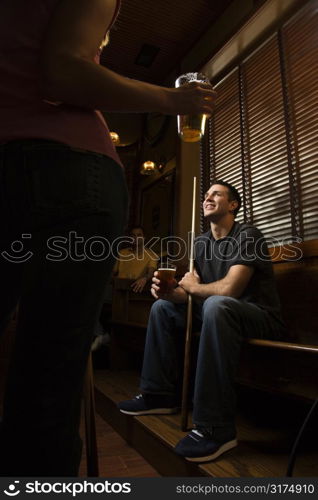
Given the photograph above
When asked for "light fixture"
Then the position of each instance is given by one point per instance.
(162, 164)
(148, 167)
(115, 138)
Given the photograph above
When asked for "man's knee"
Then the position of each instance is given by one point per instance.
(218, 304)
(161, 307)
(164, 310)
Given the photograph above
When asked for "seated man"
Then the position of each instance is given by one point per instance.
(234, 297)
(136, 262)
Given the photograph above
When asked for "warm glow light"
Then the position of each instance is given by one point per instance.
(114, 137)
(148, 167)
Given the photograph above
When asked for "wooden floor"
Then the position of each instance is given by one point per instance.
(265, 434)
(116, 458)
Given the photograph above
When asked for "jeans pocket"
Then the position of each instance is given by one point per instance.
(65, 183)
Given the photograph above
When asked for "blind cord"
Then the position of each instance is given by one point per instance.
(292, 456)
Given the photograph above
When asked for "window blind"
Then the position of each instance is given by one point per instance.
(300, 36)
(227, 159)
(265, 126)
(267, 141)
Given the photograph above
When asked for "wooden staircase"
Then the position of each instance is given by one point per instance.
(266, 432)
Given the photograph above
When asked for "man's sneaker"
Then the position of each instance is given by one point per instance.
(149, 404)
(202, 446)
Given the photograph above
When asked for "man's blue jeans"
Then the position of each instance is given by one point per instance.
(60, 211)
(223, 322)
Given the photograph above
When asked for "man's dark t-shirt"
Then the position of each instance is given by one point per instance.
(245, 244)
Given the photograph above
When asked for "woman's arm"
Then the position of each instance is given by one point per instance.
(70, 74)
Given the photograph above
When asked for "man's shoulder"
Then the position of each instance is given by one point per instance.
(247, 229)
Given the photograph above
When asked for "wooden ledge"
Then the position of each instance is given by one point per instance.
(294, 252)
(283, 345)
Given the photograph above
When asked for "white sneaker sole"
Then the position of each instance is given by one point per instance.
(154, 411)
(225, 447)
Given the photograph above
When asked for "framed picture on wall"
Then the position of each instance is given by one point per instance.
(157, 209)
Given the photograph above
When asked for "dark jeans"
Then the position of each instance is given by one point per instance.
(223, 322)
(60, 210)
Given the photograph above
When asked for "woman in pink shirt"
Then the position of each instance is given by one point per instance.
(63, 201)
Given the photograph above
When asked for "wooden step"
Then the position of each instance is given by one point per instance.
(265, 440)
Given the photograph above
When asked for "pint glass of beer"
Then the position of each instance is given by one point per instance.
(166, 273)
(191, 127)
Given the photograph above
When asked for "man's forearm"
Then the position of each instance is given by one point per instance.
(232, 285)
(221, 287)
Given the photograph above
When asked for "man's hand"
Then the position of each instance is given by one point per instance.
(189, 282)
(139, 285)
(155, 289)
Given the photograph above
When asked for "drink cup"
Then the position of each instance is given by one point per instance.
(166, 274)
(191, 127)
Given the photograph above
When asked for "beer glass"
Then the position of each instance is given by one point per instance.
(191, 127)
(166, 273)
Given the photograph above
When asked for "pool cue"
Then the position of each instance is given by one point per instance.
(187, 353)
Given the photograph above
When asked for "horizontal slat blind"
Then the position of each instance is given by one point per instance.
(267, 141)
(227, 134)
(301, 45)
(270, 106)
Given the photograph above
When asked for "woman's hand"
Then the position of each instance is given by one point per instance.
(194, 98)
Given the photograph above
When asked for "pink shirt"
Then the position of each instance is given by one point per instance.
(23, 113)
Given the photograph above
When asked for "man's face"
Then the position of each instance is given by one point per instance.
(216, 202)
(138, 237)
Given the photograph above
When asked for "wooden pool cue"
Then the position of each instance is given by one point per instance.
(187, 353)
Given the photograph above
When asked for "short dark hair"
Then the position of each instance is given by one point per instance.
(233, 193)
